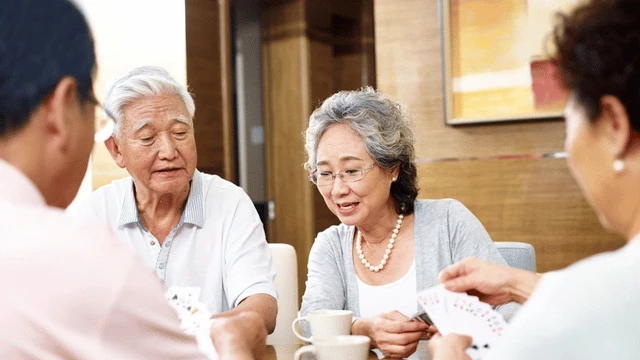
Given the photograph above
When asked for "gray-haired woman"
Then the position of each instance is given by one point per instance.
(389, 245)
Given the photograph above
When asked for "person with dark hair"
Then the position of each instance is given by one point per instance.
(389, 245)
(590, 309)
(63, 298)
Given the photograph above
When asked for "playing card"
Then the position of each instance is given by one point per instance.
(433, 301)
(463, 314)
(422, 316)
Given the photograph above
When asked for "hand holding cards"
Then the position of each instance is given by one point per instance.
(195, 318)
(463, 314)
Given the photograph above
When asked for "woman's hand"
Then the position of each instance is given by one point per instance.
(492, 283)
(450, 347)
(394, 334)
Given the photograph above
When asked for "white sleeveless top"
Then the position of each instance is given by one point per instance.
(399, 295)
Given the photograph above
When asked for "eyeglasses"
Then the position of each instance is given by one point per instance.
(104, 123)
(323, 178)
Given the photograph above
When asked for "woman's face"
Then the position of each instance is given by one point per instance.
(362, 203)
(589, 160)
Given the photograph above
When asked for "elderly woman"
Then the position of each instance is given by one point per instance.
(200, 234)
(589, 310)
(389, 245)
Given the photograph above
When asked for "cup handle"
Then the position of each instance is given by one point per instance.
(295, 332)
(304, 349)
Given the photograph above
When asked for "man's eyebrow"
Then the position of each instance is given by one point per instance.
(183, 120)
(138, 126)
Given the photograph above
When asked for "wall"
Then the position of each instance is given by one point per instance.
(518, 198)
(310, 49)
(127, 34)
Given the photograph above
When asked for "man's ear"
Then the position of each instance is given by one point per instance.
(112, 145)
(60, 106)
(616, 125)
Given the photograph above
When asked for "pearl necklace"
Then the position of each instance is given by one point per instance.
(387, 251)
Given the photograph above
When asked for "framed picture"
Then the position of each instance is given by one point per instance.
(496, 65)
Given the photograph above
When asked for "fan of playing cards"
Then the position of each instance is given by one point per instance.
(463, 314)
(195, 318)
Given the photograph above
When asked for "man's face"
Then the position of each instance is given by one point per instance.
(156, 144)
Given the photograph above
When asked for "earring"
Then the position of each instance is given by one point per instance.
(618, 166)
(393, 179)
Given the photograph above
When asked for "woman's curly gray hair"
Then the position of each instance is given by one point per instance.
(385, 129)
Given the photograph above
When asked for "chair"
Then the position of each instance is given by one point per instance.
(286, 263)
(518, 254)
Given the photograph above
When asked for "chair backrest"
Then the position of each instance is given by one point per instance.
(518, 254)
(286, 263)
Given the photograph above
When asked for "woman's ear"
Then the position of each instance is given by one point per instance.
(616, 125)
(395, 173)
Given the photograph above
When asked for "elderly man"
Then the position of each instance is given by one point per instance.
(63, 296)
(197, 231)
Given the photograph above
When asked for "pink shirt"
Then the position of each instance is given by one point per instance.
(70, 290)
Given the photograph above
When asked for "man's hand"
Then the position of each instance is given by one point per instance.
(492, 283)
(241, 336)
(450, 347)
(265, 305)
(394, 334)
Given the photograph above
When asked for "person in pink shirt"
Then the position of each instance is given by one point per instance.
(65, 297)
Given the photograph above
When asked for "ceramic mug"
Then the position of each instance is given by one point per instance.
(344, 347)
(325, 324)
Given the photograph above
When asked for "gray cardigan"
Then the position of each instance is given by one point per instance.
(445, 231)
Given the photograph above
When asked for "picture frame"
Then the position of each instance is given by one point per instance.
(495, 61)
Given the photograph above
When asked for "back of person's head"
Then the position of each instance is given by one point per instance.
(385, 129)
(41, 41)
(143, 82)
(598, 51)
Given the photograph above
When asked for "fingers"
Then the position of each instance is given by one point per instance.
(396, 322)
(451, 346)
(462, 284)
(458, 340)
(399, 345)
(396, 335)
(461, 268)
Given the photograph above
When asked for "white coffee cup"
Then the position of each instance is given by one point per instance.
(344, 347)
(325, 324)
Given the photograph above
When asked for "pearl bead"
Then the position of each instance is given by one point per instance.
(387, 252)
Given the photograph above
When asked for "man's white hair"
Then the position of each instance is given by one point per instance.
(142, 82)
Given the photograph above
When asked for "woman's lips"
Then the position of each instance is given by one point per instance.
(346, 209)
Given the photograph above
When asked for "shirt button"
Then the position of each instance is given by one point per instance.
(161, 266)
(168, 243)
(152, 242)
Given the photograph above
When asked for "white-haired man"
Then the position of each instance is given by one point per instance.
(195, 230)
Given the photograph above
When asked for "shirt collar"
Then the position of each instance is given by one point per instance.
(17, 187)
(193, 211)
